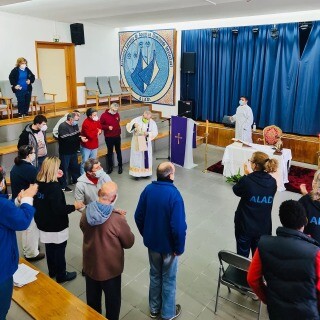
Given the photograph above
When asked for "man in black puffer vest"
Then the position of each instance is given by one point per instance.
(290, 265)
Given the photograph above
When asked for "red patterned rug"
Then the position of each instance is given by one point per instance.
(297, 176)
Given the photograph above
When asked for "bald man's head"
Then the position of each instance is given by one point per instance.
(108, 192)
(165, 170)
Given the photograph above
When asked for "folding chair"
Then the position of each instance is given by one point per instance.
(235, 277)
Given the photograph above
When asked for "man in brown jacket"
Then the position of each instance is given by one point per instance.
(105, 234)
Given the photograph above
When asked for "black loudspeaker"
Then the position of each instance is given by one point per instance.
(185, 108)
(77, 33)
(188, 62)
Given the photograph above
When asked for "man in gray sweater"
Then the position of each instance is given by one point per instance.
(90, 182)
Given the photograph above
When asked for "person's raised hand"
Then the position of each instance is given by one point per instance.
(245, 169)
(79, 205)
(303, 189)
(110, 128)
(30, 192)
(60, 173)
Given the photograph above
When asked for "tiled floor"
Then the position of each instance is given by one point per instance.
(210, 205)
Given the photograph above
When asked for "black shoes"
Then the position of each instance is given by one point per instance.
(110, 169)
(40, 256)
(67, 277)
(155, 315)
(120, 170)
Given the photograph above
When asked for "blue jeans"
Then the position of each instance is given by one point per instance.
(86, 154)
(69, 164)
(6, 289)
(24, 98)
(162, 291)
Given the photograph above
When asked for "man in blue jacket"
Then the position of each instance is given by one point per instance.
(161, 220)
(12, 219)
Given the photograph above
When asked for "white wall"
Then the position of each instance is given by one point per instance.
(230, 22)
(99, 56)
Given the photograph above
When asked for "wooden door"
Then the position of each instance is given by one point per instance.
(56, 69)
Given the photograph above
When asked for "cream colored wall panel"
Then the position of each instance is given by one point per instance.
(52, 72)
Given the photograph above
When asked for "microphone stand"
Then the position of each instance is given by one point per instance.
(169, 143)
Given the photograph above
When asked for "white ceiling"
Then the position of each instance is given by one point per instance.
(125, 13)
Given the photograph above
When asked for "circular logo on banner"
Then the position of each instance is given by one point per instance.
(147, 65)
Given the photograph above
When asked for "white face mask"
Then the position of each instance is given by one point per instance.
(23, 66)
(44, 127)
(99, 173)
(32, 157)
(95, 118)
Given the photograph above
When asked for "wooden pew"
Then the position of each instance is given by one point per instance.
(46, 299)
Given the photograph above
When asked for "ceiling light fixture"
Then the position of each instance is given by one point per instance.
(274, 32)
(305, 25)
(212, 2)
(255, 30)
(215, 33)
(235, 31)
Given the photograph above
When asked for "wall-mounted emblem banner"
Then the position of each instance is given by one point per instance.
(147, 61)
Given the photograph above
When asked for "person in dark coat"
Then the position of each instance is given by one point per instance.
(52, 218)
(21, 79)
(311, 203)
(253, 215)
(22, 174)
(285, 269)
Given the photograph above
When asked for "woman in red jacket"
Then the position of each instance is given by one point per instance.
(91, 129)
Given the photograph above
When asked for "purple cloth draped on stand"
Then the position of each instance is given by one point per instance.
(146, 155)
(178, 139)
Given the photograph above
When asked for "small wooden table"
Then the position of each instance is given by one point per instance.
(46, 299)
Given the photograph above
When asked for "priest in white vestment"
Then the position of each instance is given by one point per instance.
(144, 130)
(244, 121)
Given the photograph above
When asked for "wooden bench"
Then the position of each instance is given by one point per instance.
(46, 299)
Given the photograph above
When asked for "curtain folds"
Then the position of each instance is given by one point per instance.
(283, 88)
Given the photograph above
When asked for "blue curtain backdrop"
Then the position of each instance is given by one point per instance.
(283, 88)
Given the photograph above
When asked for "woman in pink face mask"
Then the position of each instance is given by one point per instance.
(21, 79)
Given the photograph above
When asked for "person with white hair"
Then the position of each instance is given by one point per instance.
(144, 130)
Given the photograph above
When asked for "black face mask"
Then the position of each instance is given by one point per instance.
(166, 179)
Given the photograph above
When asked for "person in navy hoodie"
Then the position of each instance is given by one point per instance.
(253, 215)
(161, 220)
(311, 203)
(21, 79)
(22, 174)
(12, 219)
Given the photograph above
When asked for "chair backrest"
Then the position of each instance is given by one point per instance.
(6, 91)
(271, 135)
(115, 84)
(37, 89)
(91, 84)
(234, 260)
(103, 84)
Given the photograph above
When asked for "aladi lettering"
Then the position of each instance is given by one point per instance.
(262, 199)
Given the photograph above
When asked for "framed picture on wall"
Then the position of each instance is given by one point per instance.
(147, 64)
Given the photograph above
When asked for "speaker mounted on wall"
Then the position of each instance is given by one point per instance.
(188, 62)
(77, 33)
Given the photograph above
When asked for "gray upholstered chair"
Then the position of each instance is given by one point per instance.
(92, 91)
(104, 88)
(117, 89)
(8, 95)
(39, 97)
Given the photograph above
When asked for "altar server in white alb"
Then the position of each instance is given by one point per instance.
(244, 120)
(144, 130)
